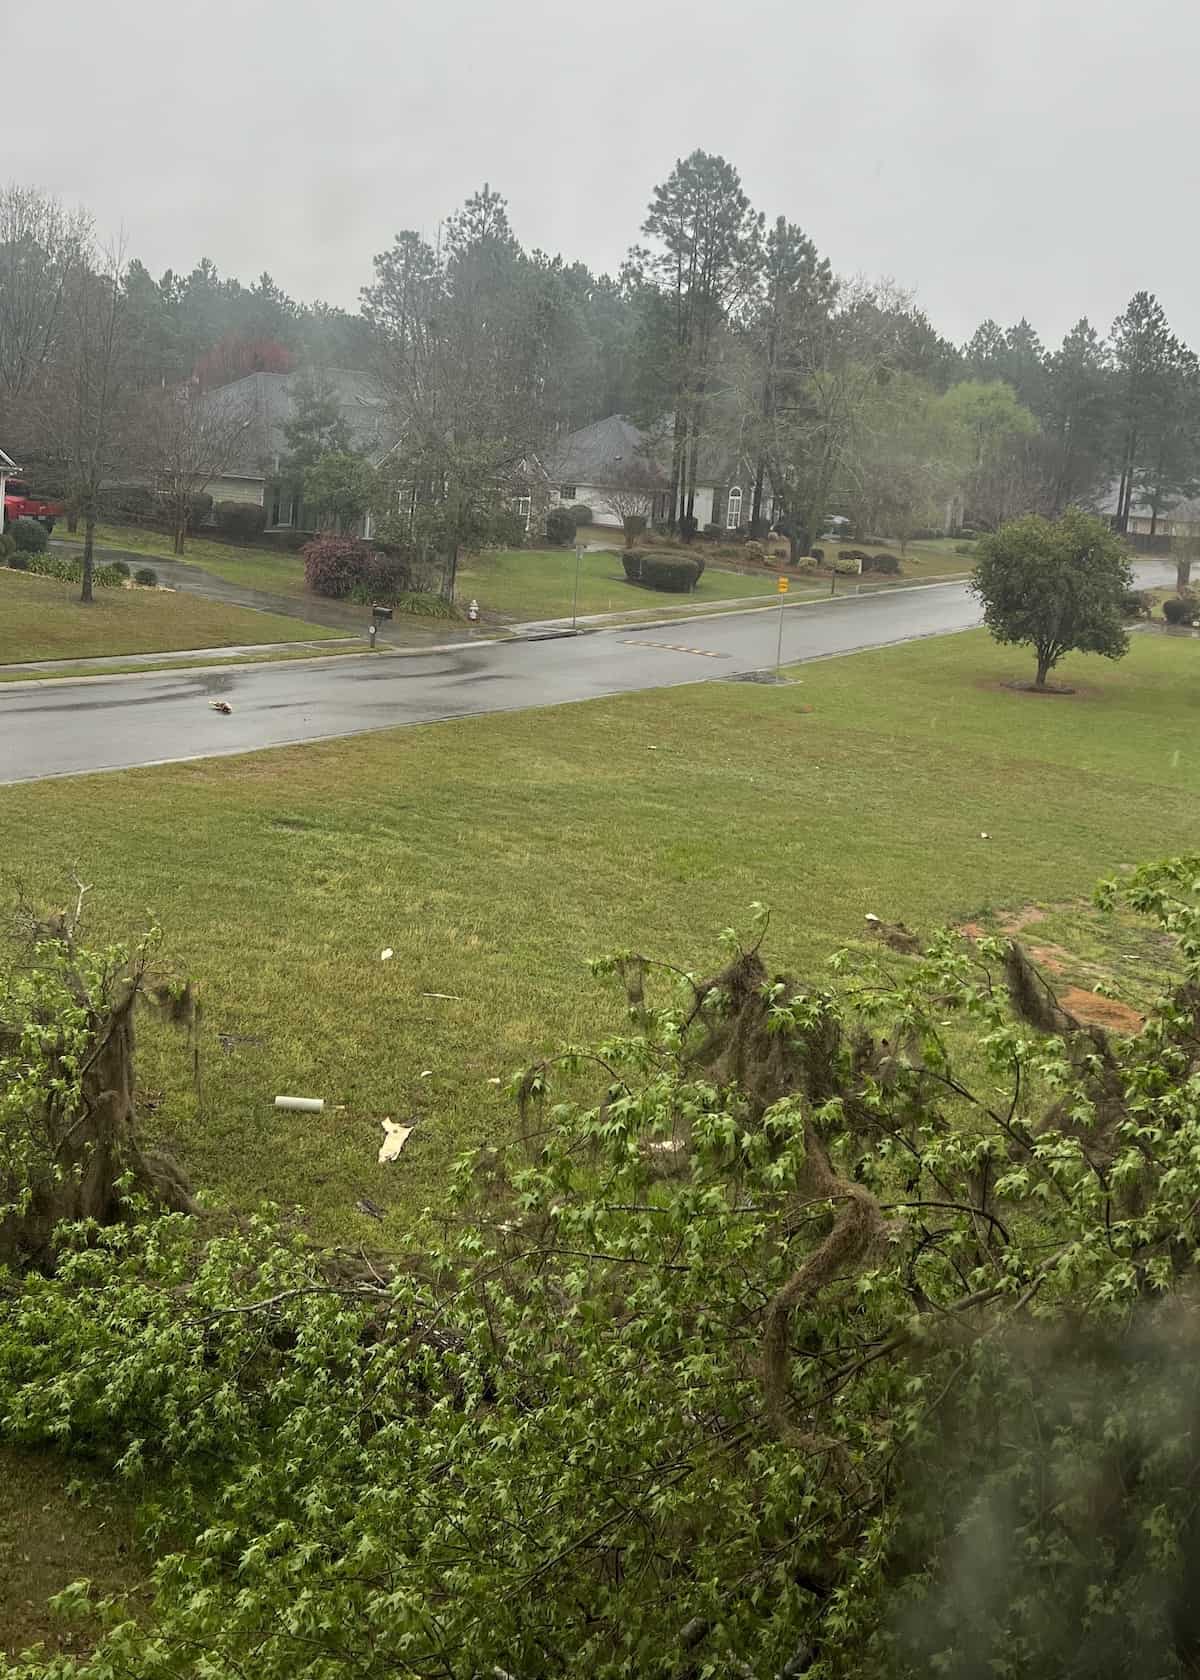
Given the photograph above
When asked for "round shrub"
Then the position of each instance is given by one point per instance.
(1180, 609)
(29, 536)
(674, 576)
(240, 520)
(146, 576)
(888, 564)
(560, 526)
(119, 567)
(200, 508)
(634, 524)
(632, 559)
(713, 532)
(111, 576)
(581, 514)
(334, 566)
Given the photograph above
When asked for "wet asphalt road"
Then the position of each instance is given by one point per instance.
(66, 727)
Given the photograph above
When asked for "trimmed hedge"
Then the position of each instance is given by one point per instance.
(146, 576)
(129, 504)
(240, 519)
(1181, 609)
(888, 564)
(656, 571)
(581, 514)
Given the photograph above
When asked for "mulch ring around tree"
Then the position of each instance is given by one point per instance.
(1013, 685)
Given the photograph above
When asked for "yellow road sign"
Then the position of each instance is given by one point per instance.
(782, 586)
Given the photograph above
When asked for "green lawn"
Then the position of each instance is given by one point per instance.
(42, 618)
(537, 583)
(494, 855)
(49, 1538)
(258, 568)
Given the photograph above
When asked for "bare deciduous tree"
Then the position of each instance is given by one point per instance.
(42, 247)
(79, 407)
(630, 497)
(185, 440)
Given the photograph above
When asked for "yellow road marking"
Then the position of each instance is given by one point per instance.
(676, 647)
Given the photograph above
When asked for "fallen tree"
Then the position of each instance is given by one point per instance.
(780, 1303)
(69, 1148)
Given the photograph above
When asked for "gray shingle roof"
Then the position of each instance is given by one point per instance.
(600, 453)
(271, 399)
(1186, 510)
(603, 452)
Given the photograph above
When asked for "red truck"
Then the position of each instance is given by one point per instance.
(19, 504)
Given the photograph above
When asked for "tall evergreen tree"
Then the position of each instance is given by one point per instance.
(1078, 414)
(1144, 352)
(704, 256)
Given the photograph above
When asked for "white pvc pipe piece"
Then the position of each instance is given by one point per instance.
(302, 1105)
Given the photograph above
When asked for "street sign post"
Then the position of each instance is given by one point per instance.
(782, 587)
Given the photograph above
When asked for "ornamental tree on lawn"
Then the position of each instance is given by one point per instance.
(1056, 586)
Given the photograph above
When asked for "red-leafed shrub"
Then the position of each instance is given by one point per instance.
(335, 565)
(348, 568)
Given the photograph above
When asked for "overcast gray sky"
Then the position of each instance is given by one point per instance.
(1036, 157)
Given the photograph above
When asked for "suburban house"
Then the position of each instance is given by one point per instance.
(270, 399)
(1181, 519)
(597, 465)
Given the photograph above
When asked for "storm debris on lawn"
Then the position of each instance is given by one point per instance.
(894, 934)
(221, 706)
(394, 1139)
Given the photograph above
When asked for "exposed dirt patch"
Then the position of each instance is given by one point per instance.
(1016, 921)
(1051, 957)
(994, 685)
(1101, 1011)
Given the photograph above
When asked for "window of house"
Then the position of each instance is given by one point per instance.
(521, 506)
(734, 517)
(567, 492)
